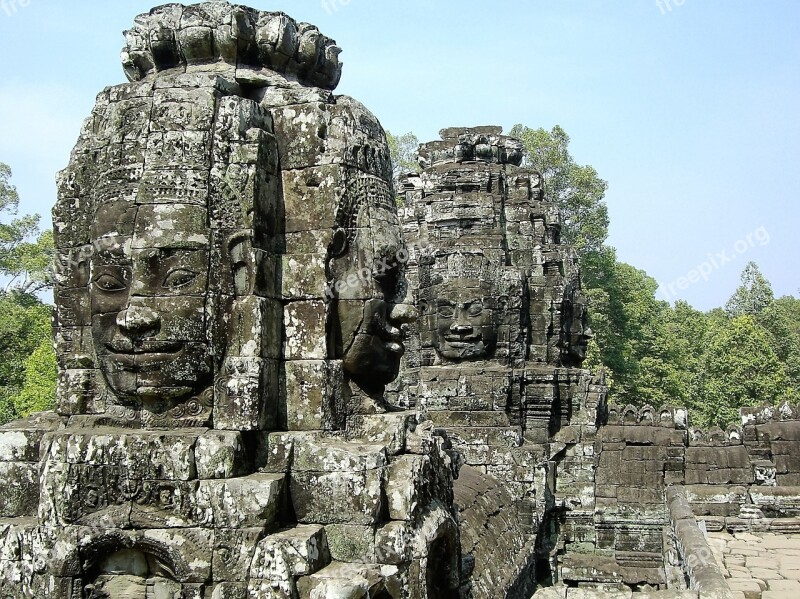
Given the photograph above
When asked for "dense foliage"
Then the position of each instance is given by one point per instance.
(27, 360)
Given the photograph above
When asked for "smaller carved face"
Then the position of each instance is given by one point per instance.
(165, 497)
(367, 271)
(465, 320)
(577, 333)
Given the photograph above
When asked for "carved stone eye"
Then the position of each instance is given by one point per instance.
(107, 282)
(180, 277)
(475, 309)
(446, 311)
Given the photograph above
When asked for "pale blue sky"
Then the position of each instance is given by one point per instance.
(689, 112)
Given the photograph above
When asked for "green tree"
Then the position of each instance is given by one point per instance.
(403, 152)
(38, 391)
(630, 325)
(781, 320)
(25, 253)
(753, 295)
(576, 189)
(27, 376)
(24, 329)
(740, 369)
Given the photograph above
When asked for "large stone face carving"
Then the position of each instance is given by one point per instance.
(160, 242)
(228, 308)
(464, 308)
(364, 285)
(149, 301)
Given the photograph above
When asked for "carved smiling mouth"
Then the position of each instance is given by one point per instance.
(147, 347)
(456, 341)
(131, 356)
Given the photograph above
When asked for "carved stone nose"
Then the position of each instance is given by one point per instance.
(461, 328)
(137, 320)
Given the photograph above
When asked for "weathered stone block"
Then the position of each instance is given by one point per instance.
(283, 556)
(351, 543)
(233, 553)
(149, 455)
(21, 441)
(394, 543)
(407, 485)
(230, 590)
(19, 494)
(388, 430)
(313, 399)
(302, 133)
(338, 497)
(241, 502)
(304, 323)
(244, 398)
(220, 454)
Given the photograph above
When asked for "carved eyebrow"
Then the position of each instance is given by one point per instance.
(112, 244)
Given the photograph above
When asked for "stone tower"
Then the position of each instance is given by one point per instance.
(494, 358)
(223, 342)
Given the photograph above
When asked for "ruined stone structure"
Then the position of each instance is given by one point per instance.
(494, 358)
(221, 429)
(275, 384)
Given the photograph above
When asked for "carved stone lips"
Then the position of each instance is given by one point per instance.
(455, 340)
(126, 348)
(130, 357)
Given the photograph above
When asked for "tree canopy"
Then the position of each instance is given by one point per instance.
(753, 295)
(26, 253)
(577, 189)
(27, 359)
(403, 152)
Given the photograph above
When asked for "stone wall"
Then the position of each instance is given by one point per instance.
(729, 479)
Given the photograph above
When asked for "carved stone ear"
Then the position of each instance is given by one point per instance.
(339, 243)
(241, 263)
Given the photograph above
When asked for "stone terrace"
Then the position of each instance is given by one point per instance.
(759, 565)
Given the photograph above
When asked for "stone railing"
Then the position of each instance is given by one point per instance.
(667, 417)
(715, 436)
(768, 413)
(701, 569)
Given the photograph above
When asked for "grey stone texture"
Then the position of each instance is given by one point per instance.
(494, 357)
(275, 384)
(221, 429)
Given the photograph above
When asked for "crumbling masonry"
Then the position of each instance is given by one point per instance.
(273, 383)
